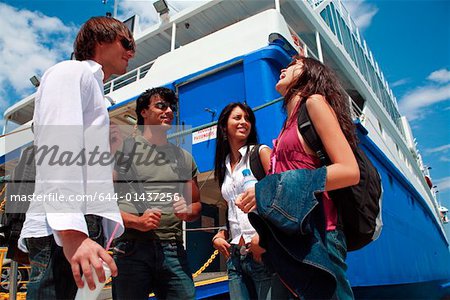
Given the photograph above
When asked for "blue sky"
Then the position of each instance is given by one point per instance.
(409, 39)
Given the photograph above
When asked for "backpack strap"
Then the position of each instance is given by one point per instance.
(312, 139)
(181, 167)
(127, 171)
(256, 165)
(309, 134)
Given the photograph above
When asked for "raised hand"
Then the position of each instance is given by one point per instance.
(247, 200)
(149, 220)
(181, 209)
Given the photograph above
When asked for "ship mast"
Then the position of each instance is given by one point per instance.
(115, 8)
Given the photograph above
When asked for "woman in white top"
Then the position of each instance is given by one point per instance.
(236, 136)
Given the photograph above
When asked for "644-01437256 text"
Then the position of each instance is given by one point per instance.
(53, 197)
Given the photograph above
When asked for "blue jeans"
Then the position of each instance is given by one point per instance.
(337, 251)
(154, 266)
(51, 274)
(248, 279)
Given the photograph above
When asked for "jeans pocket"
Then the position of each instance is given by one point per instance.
(95, 228)
(124, 249)
(40, 253)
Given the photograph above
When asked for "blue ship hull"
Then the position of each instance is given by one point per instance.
(412, 251)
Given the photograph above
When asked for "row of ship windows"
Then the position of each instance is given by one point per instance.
(400, 154)
(337, 25)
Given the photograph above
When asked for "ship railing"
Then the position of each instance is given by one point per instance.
(338, 20)
(356, 113)
(126, 79)
(314, 3)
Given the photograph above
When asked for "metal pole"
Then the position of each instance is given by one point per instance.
(13, 279)
(174, 36)
(319, 47)
(277, 6)
(115, 9)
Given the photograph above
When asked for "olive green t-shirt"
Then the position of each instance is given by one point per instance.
(163, 171)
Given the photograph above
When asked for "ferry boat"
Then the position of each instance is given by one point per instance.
(221, 51)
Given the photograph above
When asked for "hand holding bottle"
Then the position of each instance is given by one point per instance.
(247, 200)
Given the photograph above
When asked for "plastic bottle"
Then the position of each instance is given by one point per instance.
(85, 293)
(249, 179)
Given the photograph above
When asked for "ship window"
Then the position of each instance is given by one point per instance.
(380, 128)
(366, 69)
(10, 125)
(357, 100)
(336, 22)
(327, 15)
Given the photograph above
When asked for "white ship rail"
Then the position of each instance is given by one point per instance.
(339, 21)
(127, 78)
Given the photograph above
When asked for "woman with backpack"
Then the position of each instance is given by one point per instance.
(307, 82)
(236, 140)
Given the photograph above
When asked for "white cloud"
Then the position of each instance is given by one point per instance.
(444, 158)
(399, 82)
(414, 103)
(362, 12)
(442, 76)
(30, 43)
(443, 184)
(443, 148)
(147, 14)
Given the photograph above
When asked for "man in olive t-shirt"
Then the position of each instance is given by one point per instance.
(150, 255)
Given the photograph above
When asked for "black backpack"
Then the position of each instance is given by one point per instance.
(21, 185)
(359, 206)
(255, 163)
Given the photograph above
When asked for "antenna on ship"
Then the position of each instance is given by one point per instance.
(108, 14)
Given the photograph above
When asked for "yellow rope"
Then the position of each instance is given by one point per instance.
(2, 204)
(207, 263)
(21, 295)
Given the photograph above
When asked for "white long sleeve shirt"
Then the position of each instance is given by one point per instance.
(232, 187)
(70, 113)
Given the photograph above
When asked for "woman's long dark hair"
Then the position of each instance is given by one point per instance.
(316, 78)
(222, 143)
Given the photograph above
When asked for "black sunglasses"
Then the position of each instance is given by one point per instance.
(162, 105)
(127, 44)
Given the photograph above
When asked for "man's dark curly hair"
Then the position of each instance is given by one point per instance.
(143, 101)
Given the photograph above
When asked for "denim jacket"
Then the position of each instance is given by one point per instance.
(291, 225)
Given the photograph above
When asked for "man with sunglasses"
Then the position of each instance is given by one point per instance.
(65, 238)
(150, 255)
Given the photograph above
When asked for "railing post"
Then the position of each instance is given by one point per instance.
(319, 47)
(13, 279)
(174, 35)
(277, 6)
